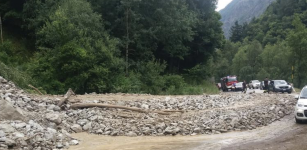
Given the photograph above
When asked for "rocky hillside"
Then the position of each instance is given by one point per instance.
(243, 11)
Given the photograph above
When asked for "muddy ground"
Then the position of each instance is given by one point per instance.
(284, 134)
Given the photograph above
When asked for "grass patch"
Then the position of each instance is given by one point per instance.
(205, 87)
(21, 79)
(297, 90)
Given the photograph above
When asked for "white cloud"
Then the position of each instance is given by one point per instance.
(222, 4)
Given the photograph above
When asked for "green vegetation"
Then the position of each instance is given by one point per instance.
(131, 46)
(270, 45)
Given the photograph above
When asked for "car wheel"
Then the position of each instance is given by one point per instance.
(298, 121)
(289, 92)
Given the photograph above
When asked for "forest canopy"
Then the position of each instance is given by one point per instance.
(134, 46)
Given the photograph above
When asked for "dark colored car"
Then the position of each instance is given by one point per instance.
(280, 86)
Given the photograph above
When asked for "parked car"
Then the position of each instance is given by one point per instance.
(301, 106)
(228, 82)
(239, 86)
(279, 86)
(262, 85)
(254, 84)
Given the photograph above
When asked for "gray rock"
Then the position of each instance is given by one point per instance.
(7, 128)
(88, 126)
(2, 139)
(197, 130)
(9, 112)
(2, 134)
(10, 142)
(56, 108)
(74, 142)
(54, 117)
(77, 128)
(131, 134)
(18, 135)
(59, 145)
(50, 135)
(82, 122)
(99, 131)
(171, 130)
(20, 125)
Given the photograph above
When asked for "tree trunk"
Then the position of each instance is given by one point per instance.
(66, 97)
(127, 40)
(1, 30)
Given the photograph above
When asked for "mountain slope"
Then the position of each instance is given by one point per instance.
(242, 11)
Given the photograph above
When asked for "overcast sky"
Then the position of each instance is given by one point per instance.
(222, 4)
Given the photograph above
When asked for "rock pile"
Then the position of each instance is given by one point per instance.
(48, 127)
(18, 130)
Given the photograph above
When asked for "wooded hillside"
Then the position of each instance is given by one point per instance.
(139, 46)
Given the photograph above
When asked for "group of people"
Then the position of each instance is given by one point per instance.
(266, 85)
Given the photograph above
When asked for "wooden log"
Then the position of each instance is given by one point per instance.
(180, 111)
(31, 86)
(66, 97)
(90, 105)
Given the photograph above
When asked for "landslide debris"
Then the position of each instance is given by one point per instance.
(43, 125)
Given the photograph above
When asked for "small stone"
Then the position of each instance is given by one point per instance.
(131, 134)
(74, 142)
(2, 134)
(54, 117)
(99, 131)
(197, 130)
(18, 134)
(88, 126)
(59, 145)
(82, 122)
(77, 128)
(6, 128)
(10, 142)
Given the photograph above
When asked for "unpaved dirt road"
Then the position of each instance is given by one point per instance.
(284, 134)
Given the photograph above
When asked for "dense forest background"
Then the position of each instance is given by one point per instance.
(102, 46)
(146, 46)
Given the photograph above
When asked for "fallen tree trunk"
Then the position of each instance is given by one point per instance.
(90, 105)
(181, 111)
(66, 97)
(31, 86)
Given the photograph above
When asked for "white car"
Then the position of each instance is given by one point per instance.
(301, 106)
(254, 84)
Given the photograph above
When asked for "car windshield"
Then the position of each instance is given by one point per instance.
(232, 79)
(239, 84)
(280, 82)
(304, 94)
(255, 81)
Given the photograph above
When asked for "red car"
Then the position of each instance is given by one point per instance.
(228, 83)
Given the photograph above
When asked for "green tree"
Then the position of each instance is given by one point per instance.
(297, 40)
(236, 32)
(76, 51)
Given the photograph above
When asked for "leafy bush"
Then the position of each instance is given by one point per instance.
(20, 78)
(174, 84)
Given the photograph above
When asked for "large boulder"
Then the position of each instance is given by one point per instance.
(9, 112)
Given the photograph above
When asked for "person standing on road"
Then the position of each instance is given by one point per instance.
(244, 87)
(266, 83)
